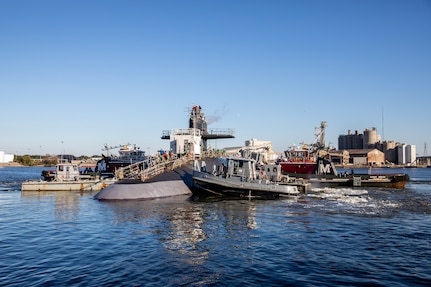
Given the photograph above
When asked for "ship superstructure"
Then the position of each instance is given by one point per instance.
(194, 139)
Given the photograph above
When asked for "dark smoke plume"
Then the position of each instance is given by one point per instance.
(218, 114)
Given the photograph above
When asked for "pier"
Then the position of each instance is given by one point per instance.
(423, 161)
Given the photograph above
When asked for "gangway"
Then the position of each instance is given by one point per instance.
(153, 166)
(149, 168)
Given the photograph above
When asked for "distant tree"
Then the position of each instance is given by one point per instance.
(49, 161)
(83, 157)
(24, 160)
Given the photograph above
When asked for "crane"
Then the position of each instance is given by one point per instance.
(319, 132)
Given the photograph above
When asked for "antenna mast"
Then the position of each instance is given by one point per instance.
(383, 125)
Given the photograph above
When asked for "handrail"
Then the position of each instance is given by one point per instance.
(153, 166)
(148, 168)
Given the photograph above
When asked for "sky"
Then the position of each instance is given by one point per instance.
(76, 75)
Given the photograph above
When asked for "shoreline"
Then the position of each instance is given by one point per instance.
(10, 164)
(16, 164)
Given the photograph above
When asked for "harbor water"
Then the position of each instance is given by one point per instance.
(328, 237)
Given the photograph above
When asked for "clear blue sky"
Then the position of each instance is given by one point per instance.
(75, 75)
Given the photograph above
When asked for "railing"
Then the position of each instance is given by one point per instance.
(160, 168)
(131, 171)
(149, 168)
(153, 166)
(197, 132)
(230, 132)
(190, 131)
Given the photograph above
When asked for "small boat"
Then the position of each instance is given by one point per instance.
(239, 177)
(67, 177)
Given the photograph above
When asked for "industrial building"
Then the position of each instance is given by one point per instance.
(363, 146)
(406, 154)
(359, 141)
(369, 157)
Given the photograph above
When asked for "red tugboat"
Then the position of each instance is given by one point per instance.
(304, 160)
(298, 161)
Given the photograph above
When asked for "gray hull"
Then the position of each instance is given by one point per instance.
(170, 183)
(118, 191)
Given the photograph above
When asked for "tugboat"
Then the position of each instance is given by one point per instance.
(304, 160)
(298, 161)
(107, 166)
(240, 178)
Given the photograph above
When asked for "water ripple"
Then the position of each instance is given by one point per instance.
(329, 237)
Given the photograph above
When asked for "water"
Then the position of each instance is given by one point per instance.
(349, 237)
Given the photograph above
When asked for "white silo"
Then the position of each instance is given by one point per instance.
(402, 154)
(410, 153)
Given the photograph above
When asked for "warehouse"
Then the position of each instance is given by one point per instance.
(369, 157)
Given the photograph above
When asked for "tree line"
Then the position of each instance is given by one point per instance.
(46, 160)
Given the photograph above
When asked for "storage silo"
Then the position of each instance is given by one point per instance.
(357, 140)
(402, 154)
(410, 153)
(370, 137)
(389, 145)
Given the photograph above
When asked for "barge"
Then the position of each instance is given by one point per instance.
(67, 178)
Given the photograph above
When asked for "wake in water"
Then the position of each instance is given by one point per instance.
(373, 202)
(354, 201)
